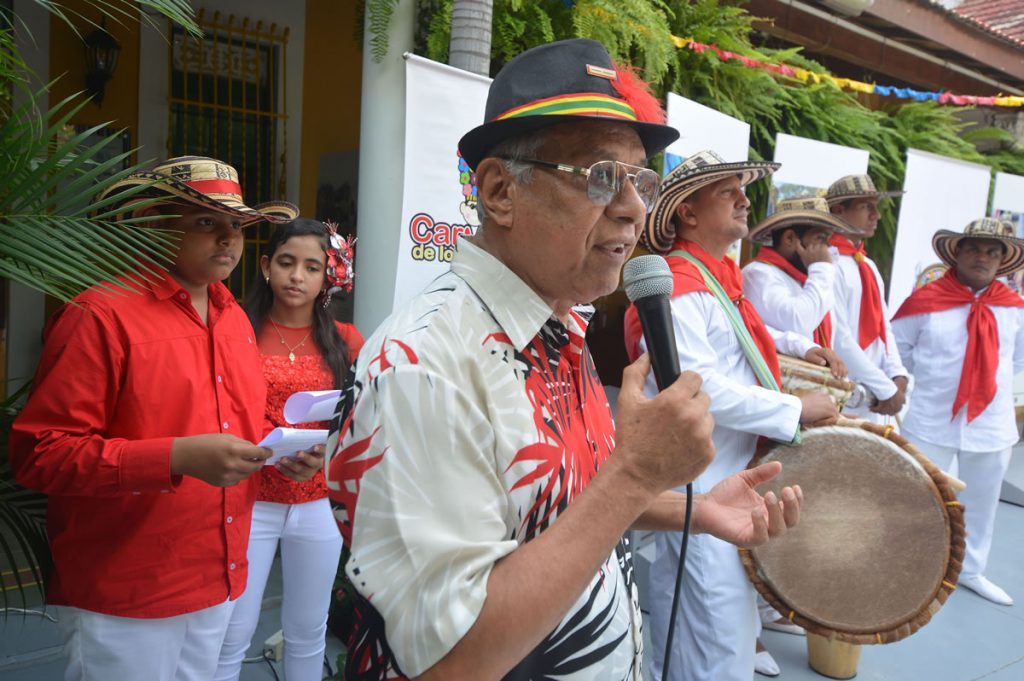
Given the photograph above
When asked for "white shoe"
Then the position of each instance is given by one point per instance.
(986, 589)
(765, 664)
(784, 626)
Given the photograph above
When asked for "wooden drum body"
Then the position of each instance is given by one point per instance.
(880, 541)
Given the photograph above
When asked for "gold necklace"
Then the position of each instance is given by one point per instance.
(291, 348)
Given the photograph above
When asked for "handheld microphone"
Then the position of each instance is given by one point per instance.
(648, 283)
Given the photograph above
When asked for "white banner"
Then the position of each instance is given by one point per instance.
(1008, 201)
(439, 198)
(941, 193)
(810, 166)
(703, 128)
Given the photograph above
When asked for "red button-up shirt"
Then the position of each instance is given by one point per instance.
(120, 377)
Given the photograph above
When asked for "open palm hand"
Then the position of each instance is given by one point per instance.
(734, 511)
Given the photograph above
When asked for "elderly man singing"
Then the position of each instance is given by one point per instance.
(482, 488)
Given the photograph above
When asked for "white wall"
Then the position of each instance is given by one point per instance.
(941, 193)
(381, 168)
(154, 54)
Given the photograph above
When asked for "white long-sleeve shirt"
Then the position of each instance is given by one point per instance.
(933, 346)
(785, 304)
(876, 365)
(742, 409)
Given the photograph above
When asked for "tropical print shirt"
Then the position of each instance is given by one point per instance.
(472, 419)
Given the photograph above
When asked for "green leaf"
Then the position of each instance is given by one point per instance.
(122, 11)
(47, 238)
(24, 549)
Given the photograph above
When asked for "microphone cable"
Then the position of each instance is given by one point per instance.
(648, 283)
(679, 580)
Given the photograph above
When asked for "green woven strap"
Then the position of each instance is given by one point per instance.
(750, 350)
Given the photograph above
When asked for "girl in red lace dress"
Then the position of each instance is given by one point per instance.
(302, 348)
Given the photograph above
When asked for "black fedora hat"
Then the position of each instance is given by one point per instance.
(568, 80)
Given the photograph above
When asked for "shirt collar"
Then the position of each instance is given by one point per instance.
(162, 283)
(515, 306)
(165, 286)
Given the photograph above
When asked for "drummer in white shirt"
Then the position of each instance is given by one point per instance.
(791, 283)
(874, 360)
(791, 280)
(962, 336)
(701, 211)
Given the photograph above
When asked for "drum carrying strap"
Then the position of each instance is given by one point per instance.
(747, 344)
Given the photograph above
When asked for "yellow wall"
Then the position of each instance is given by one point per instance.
(332, 81)
(67, 60)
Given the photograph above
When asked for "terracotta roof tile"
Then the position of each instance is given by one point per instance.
(1001, 18)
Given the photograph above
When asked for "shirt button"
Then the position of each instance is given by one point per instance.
(183, 296)
(231, 567)
(225, 425)
(230, 519)
(220, 379)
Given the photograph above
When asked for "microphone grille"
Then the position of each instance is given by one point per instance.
(647, 275)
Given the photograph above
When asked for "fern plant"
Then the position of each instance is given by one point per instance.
(640, 31)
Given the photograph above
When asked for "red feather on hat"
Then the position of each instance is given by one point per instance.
(638, 95)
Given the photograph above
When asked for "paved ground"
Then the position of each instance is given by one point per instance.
(30, 647)
(968, 639)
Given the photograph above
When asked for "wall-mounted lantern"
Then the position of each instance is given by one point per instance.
(101, 53)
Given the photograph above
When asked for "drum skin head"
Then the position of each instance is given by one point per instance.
(872, 550)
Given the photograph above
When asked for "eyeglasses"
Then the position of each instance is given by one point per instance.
(605, 179)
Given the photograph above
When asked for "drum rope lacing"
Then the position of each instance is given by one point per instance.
(888, 434)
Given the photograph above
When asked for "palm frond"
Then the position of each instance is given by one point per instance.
(57, 238)
(122, 11)
(24, 549)
(54, 236)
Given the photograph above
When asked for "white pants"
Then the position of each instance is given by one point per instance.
(983, 472)
(110, 648)
(716, 624)
(310, 549)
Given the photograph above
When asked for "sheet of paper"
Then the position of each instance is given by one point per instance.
(287, 441)
(311, 406)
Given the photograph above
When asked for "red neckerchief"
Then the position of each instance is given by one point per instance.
(686, 278)
(767, 254)
(872, 321)
(978, 376)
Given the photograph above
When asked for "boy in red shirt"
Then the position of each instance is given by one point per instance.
(140, 429)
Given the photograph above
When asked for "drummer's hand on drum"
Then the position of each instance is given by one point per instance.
(816, 251)
(818, 409)
(664, 441)
(827, 358)
(734, 512)
(894, 404)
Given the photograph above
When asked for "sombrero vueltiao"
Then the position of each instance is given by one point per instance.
(200, 181)
(803, 211)
(856, 187)
(560, 82)
(696, 172)
(945, 242)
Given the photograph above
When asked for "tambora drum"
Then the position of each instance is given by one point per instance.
(879, 545)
